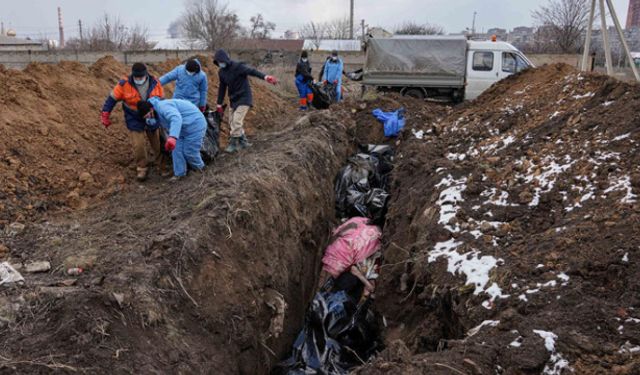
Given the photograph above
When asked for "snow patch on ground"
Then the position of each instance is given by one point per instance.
(556, 363)
(491, 323)
(449, 199)
(418, 134)
(622, 184)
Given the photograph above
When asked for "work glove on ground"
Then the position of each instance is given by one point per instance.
(271, 79)
(105, 119)
(171, 144)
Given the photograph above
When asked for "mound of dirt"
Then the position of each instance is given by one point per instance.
(55, 155)
(189, 277)
(512, 233)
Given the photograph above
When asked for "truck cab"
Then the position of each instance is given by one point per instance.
(489, 62)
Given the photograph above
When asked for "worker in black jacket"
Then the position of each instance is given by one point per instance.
(303, 81)
(234, 77)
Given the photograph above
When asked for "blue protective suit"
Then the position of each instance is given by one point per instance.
(393, 121)
(188, 87)
(333, 73)
(187, 124)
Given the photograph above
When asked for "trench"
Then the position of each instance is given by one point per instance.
(439, 327)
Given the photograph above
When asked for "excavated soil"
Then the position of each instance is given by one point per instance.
(512, 233)
(510, 239)
(181, 278)
(56, 156)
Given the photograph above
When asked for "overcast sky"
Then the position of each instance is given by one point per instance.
(39, 17)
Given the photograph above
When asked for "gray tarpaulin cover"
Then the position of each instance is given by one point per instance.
(441, 56)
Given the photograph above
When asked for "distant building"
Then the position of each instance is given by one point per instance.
(633, 17)
(13, 43)
(343, 45)
(289, 34)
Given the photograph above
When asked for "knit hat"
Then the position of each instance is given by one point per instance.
(144, 107)
(304, 54)
(139, 70)
(192, 66)
(334, 53)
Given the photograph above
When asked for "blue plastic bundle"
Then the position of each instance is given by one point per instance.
(393, 121)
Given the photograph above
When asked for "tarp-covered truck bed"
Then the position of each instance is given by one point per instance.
(416, 61)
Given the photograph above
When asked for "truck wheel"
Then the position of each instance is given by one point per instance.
(414, 93)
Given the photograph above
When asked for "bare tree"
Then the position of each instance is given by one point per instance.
(110, 34)
(313, 31)
(259, 28)
(339, 28)
(210, 22)
(413, 28)
(562, 23)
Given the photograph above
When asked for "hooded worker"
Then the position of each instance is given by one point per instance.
(234, 77)
(332, 72)
(191, 83)
(186, 125)
(303, 81)
(140, 85)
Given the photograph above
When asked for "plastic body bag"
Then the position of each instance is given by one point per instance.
(210, 144)
(361, 186)
(323, 95)
(393, 121)
(337, 330)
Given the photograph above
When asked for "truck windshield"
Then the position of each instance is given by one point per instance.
(513, 63)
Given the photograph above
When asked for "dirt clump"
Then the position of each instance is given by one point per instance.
(512, 233)
(201, 286)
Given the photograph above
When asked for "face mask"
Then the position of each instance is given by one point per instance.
(151, 121)
(222, 65)
(139, 81)
(304, 59)
(190, 73)
(334, 58)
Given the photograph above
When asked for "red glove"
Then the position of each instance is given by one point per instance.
(271, 79)
(171, 144)
(324, 82)
(219, 108)
(105, 119)
(202, 109)
(335, 82)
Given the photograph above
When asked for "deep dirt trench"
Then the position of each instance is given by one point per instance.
(180, 278)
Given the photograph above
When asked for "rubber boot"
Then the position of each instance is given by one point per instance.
(142, 174)
(233, 145)
(244, 142)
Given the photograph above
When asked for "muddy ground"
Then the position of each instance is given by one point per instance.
(510, 242)
(512, 233)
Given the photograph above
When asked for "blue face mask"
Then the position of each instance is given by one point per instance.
(190, 73)
(222, 65)
(151, 121)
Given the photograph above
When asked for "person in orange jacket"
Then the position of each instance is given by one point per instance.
(139, 86)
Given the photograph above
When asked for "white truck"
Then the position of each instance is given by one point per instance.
(439, 67)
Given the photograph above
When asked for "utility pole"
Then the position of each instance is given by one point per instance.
(473, 25)
(80, 28)
(351, 21)
(1, 28)
(362, 25)
(605, 36)
(60, 27)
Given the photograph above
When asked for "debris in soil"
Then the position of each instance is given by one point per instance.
(8, 274)
(37, 267)
(518, 209)
(56, 156)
